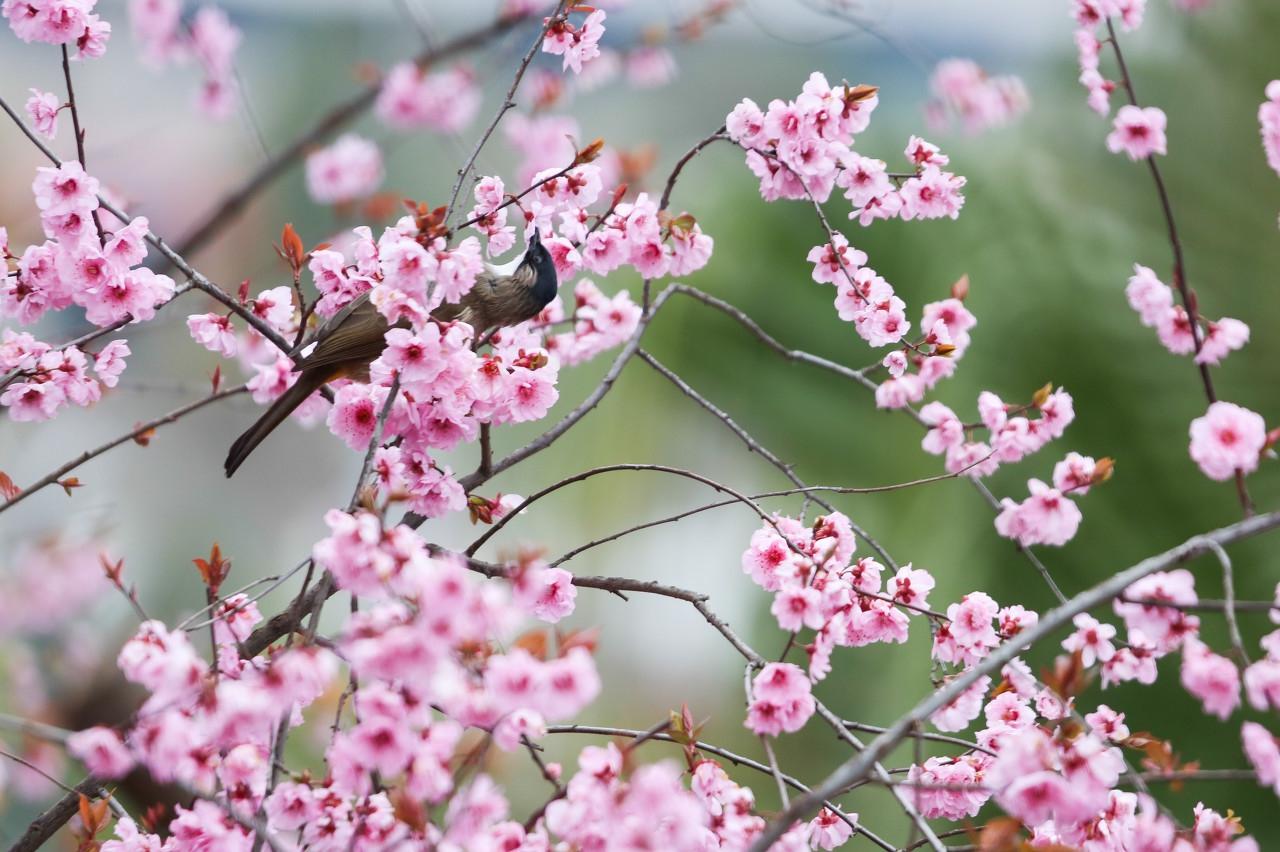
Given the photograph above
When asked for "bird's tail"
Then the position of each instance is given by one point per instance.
(308, 383)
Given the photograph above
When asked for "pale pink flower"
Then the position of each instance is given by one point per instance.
(1226, 439)
(64, 189)
(1092, 639)
(1212, 678)
(102, 752)
(214, 332)
(443, 101)
(1148, 295)
(347, 170)
(1138, 132)
(43, 108)
(110, 362)
(1263, 752)
(1221, 338)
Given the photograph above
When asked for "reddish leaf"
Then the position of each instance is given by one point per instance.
(69, 483)
(8, 489)
(535, 642)
(143, 439)
(216, 379)
(960, 289)
(113, 570)
(590, 152)
(1103, 470)
(1002, 834)
(480, 509)
(1042, 396)
(214, 569)
(243, 294)
(588, 638)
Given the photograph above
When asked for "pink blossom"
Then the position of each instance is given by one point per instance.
(835, 261)
(828, 830)
(1262, 684)
(945, 429)
(1147, 295)
(1138, 132)
(349, 169)
(933, 194)
(1221, 338)
(1228, 438)
(1212, 678)
(214, 332)
(576, 45)
(781, 700)
(963, 709)
(1269, 119)
(127, 247)
(32, 401)
(1046, 517)
(545, 593)
(1091, 638)
(1263, 752)
(979, 101)
(110, 362)
(798, 606)
(102, 752)
(65, 189)
(443, 101)
(43, 108)
(1108, 723)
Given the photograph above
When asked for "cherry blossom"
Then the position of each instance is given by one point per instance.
(349, 169)
(1138, 132)
(1227, 439)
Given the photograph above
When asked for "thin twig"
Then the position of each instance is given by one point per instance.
(75, 123)
(137, 432)
(336, 118)
(1179, 261)
(508, 102)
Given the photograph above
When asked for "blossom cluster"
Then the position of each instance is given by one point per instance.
(208, 37)
(576, 45)
(440, 100)
(817, 584)
(803, 149)
(72, 23)
(1047, 516)
(73, 266)
(962, 88)
(349, 169)
(1058, 773)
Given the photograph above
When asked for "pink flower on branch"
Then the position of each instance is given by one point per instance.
(1138, 132)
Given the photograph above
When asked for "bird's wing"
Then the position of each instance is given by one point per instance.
(356, 333)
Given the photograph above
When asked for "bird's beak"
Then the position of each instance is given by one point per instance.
(536, 238)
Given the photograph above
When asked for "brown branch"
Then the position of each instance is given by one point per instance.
(756, 447)
(67, 467)
(75, 123)
(338, 117)
(508, 103)
(44, 827)
(1179, 261)
(683, 161)
(614, 468)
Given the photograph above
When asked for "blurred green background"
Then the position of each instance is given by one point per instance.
(1050, 230)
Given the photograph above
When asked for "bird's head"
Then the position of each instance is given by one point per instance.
(538, 259)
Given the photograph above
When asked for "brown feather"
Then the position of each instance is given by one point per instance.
(354, 337)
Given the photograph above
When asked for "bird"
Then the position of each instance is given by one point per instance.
(352, 338)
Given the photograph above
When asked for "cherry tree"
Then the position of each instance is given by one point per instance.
(444, 655)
